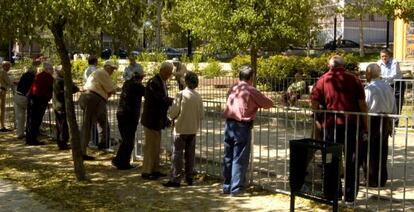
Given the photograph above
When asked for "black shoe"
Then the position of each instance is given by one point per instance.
(87, 157)
(189, 181)
(171, 184)
(21, 136)
(147, 176)
(37, 143)
(158, 174)
(67, 147)
(4, 130)
(102, 146)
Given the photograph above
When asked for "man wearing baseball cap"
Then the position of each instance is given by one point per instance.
(98, 88)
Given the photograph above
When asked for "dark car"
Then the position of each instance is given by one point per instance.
(106, 54)
(341, 44)
(171, 52)
(121, 53)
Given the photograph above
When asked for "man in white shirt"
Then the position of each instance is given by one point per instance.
(390, 71)
(92, 62)
(380, 99)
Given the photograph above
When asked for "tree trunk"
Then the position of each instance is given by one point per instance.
(158, 30)
(361, 37)
(253, 60)
(57, 30)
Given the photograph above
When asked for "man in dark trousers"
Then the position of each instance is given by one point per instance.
(38, 99)
(62, 131)
(341, 90)
(154, 119)
(128, 113)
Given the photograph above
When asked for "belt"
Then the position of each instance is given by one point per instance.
(95, 93)
(241, 122)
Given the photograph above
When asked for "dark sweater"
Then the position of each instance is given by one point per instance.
(130, 99)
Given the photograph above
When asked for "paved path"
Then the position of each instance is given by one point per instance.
(15, 198)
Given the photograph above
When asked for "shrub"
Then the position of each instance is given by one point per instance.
(238, 61)
(78, 67)
(196, 63)
(213, 69)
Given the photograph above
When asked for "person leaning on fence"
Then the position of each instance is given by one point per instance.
(20, 98)
(341, 90)
(38, 99)
(380, 99)
(390, 72)
(129, 109)
(187, 111)
(154, 119)
(58, 99)
(98, 88)
(5, 84)
(179, 73)
(132, 68)
(294, 91)
(243, 101)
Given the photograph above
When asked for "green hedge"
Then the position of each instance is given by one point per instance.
(274, 70)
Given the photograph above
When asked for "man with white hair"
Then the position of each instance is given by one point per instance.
(154, 119)
(5, 83)
(341, 90)
(98, 88)
(39, 96)
(380, 98)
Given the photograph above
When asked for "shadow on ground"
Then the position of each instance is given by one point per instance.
(49, 173)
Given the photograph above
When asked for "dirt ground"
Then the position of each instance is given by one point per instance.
(47, 173)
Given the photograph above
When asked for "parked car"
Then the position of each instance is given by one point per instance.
(106, 54)
(171, 52)
(342, 44)
(121, 53)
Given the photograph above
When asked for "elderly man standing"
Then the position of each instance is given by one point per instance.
(340, 90)
(39, 96)
(5, 84)
(243, 101)
(390, 71)
(132, 68)
(380, 99)
(98, 88)
(154, 119)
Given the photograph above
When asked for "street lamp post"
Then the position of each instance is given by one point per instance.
(147, 24)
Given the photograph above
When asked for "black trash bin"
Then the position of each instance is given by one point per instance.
(314, 171)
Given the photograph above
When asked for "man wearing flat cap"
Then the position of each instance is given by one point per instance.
(132, 68)
(5, 84)
(98, 88)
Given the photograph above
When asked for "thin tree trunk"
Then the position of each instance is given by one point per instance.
(158, 30)
(253, 60)
(57, 30)
(361, 37)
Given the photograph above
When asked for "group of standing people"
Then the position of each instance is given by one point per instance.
(365, 138)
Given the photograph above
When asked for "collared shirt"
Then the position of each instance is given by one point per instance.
(243, 101)
(338, 90)
(131, 69)
(42, 86)
(100, 82)
(188, 111)
(390, 71)
(380, 97)
(88, 71)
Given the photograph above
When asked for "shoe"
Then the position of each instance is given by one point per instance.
(87, 157)
(37, 143)
(102, 146)
(4, 130)
(67, 147)
(147, 176)
(171, 184)
(226, 192)
(21, 136)
(158, 174)
(121, 167)
(189, 181)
